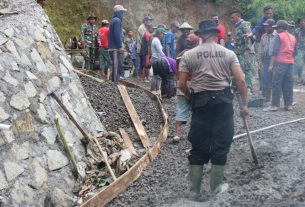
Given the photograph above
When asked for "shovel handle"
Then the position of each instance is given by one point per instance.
(253, 153)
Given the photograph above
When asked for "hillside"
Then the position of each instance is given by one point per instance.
(67, 16)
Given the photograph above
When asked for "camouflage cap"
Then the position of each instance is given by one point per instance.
(92, 15)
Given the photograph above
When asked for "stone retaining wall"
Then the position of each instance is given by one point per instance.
(34, 170)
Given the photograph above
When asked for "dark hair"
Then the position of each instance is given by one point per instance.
(235, 12)
(266, 8)
(128, 30)
(104, 24)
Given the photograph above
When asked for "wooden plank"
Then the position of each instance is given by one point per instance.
(134, 116)
(89, 76)
(128, 142)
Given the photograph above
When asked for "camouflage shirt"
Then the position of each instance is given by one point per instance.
(89, 35)
(300, 35)
(242, 43)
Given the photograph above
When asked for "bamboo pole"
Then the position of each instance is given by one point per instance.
(104, 154)
(67, 149)
(269, 127)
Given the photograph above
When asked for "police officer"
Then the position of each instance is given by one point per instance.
(211, 67)
(89, 39)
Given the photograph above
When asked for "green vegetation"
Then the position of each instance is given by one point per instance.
(67, 16)
(285, 9)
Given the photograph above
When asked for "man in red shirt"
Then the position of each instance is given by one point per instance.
(104, 56)
(220, 37)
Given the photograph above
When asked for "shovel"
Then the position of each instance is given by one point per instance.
(253, 153)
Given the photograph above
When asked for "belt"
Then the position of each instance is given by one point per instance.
(209, 93)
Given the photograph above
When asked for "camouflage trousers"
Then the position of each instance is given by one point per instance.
(246, 64)
(90, 57)
(282, 83)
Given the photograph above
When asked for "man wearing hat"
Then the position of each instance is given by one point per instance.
(264, 55)
(169, 40)
(116, 42)
(89, 39)
(300, 58)
(220, 38)
(229, 44)
(211, 67)
(181, 45)
(146, 23)
(281, 66)
(159, 66)
(183, 103)
(104, 57)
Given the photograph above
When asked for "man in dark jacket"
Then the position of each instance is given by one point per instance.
(116, 42)
(258, 30)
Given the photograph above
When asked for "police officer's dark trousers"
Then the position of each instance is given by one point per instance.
(212, 127)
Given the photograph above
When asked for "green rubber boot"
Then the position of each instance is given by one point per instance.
(195, 176)
(216, 179)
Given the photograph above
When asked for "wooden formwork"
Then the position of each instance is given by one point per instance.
(118, 186)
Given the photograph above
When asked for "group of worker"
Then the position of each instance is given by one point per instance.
(207, 70)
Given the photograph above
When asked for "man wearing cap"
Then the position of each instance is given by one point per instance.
(104, 56)
(89, 40)
(183, 103)
(181, 45)
(156, 55)
(264, 55)
(169, 40)
(243, 44)
(300, 58)
(229, 44)
(116, 42)
(147, 22)
(220, 38)
(282, 66)
(211, 67)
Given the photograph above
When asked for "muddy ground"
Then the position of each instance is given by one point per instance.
(277, 181)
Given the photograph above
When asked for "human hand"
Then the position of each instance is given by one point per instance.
(244, 111)
(270, 68)
(121, 50)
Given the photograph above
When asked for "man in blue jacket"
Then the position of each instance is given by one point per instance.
(116, 42)
(258, 30)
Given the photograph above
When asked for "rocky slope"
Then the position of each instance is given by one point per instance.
(34, 169)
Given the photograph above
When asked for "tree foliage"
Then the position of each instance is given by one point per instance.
(284, 9)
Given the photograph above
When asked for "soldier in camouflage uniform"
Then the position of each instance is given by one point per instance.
(243, 45)
(89, 39)
(300, 58)
(127, 44)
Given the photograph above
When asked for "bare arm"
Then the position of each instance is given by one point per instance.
(168, 48)
(222, 42)
(239, 76)
(183, 76)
